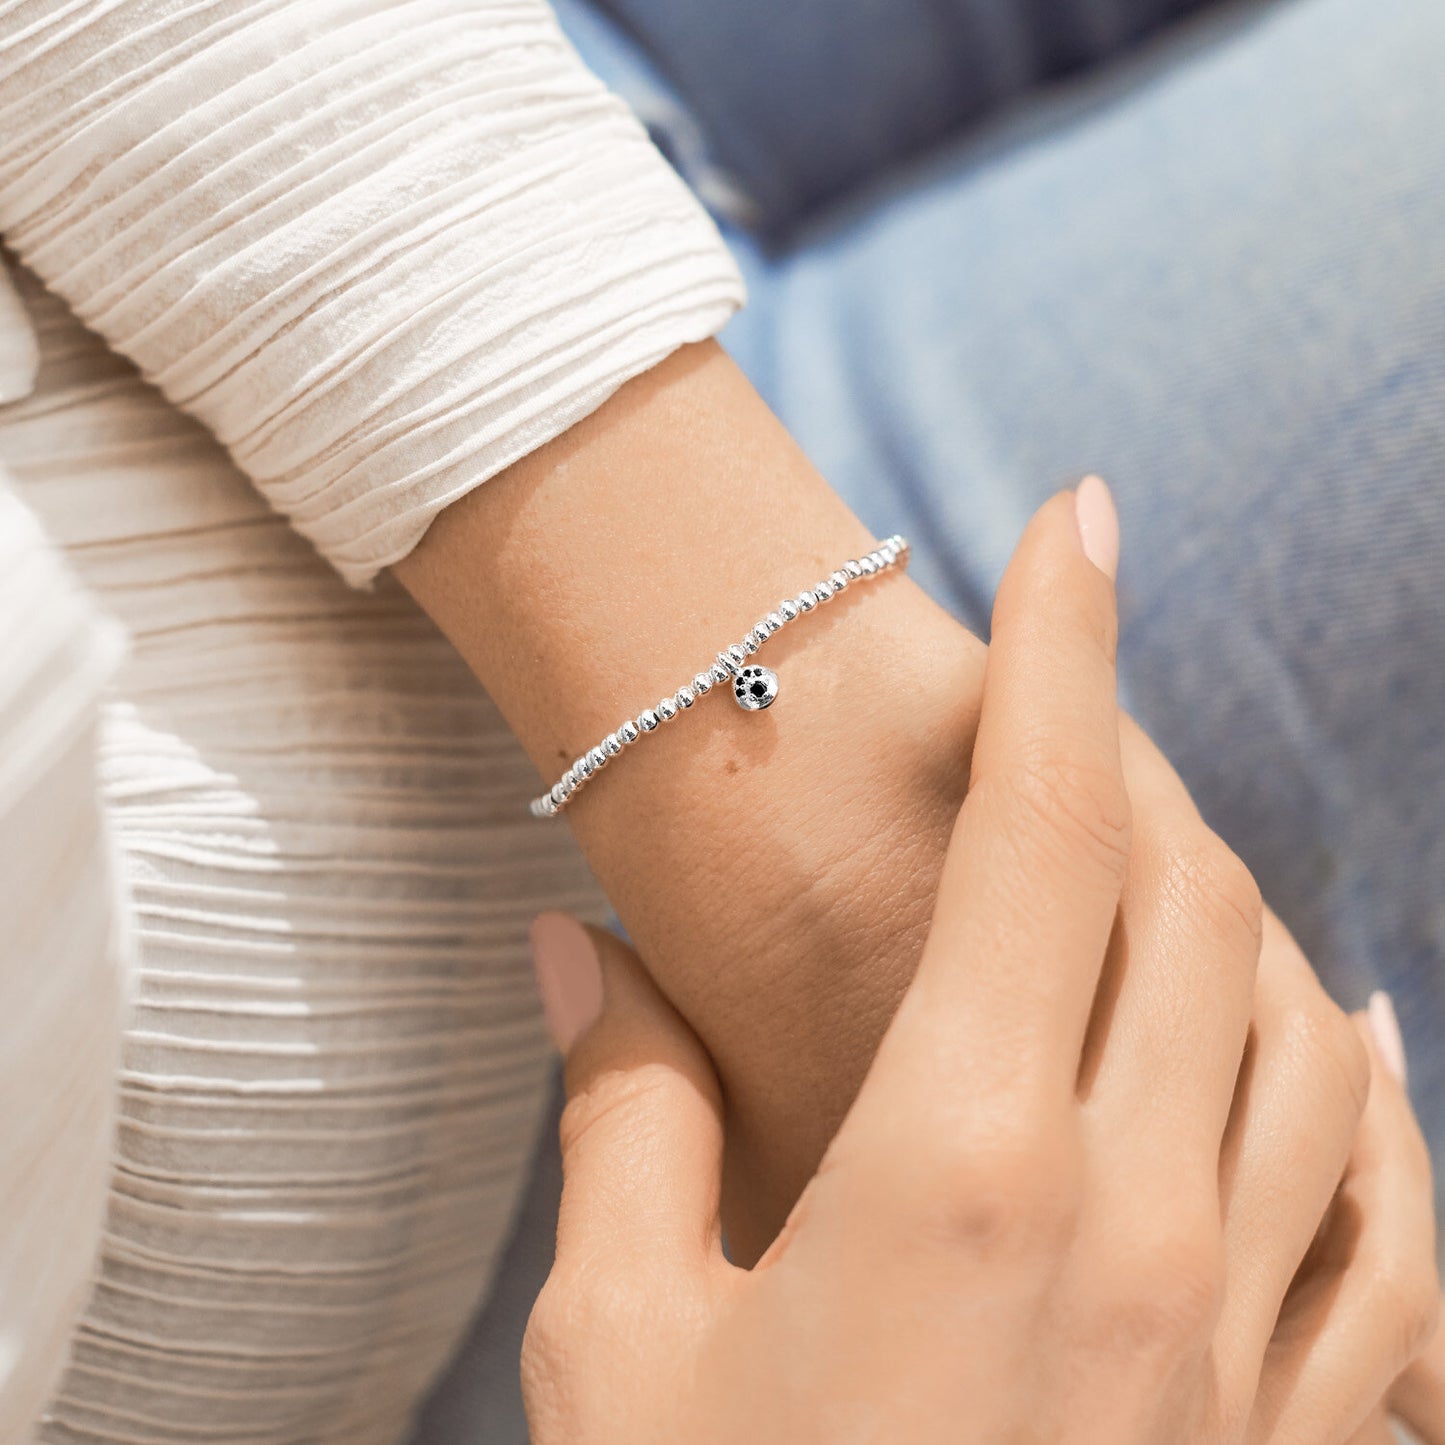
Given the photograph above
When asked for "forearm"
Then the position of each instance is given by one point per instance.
(775, 869)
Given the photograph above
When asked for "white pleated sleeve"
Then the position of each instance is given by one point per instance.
(381, 249)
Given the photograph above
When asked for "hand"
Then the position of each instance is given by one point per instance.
(822, 830)
(1075, 1194)
(1418, 1396)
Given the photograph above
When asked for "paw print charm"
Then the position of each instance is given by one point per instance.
(755, 688)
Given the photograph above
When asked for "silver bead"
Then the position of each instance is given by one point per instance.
(754, 687)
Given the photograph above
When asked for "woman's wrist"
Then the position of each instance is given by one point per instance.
(735, 670)
(775, 869)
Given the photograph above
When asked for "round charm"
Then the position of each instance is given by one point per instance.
(755, 687)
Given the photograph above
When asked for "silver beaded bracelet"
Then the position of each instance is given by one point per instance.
(754, 687)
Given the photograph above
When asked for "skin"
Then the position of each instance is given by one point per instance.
(1418, 1397)
(776, 869)
(779, 880)
(1081, 1205)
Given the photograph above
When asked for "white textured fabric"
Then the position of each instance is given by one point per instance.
(61, 961)
(381, 249)
(334, 1066)
(18, 358)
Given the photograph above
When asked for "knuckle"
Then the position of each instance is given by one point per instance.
(1167, 1290)
(1215, 883)
(577, 1314)
(1006, 1193)
(1332, 1053)
(1427, 1320)
(548, 1341)
(1405, 1294)
(617, 1098)
(1080, 804)
(1235, 1404)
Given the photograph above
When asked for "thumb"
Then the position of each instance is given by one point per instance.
(1418, 1396)
(642, 1129)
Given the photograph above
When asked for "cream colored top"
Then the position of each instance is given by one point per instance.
(379, 251)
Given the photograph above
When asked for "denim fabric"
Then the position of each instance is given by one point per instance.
(803, 101)
(1218, 279)
(1215, 274)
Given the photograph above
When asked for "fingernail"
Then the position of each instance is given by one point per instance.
(1098, 524)
(569, 976)
(1385, 1026)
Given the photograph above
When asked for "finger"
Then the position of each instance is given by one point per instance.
(1171, 1016)
(1418, 1396)
(1032, 876)
(1302, 1090)
(1375, 1431)
(1366, 1300)
(642, 1127)
(1174, 1003)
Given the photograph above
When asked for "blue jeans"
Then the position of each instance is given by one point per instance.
(1213, 271)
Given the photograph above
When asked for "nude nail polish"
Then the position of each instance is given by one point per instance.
(1385, 1027)
(1098, 524)
(569, 976)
